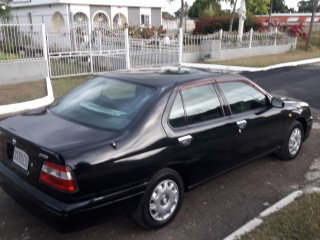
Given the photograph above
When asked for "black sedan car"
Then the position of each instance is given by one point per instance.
(148, 134)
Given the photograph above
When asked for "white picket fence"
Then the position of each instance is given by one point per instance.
(85, 49)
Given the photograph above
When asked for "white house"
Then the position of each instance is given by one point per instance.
(58, 14)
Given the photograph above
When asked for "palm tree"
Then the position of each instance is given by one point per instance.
(234, 4)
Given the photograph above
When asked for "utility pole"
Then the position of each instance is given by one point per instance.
(181, 13)
(315, 5)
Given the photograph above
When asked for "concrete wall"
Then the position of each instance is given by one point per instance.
(251, 52)
(214, 53)
(134, 16)
(39, 14)
(194, 57)
(156, 17)
(26, 71)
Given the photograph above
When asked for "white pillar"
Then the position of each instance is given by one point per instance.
(45, 49)
(275, 36)
(127, 47)
(251, 37)
(242, 18)
(180, 45)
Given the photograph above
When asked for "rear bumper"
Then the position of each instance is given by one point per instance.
(18, 189)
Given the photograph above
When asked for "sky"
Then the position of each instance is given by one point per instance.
(174, 6)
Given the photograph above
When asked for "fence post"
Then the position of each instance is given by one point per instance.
(45, 48)
(180, 45)
(251, 37)
(127, 47)
(90, 46)
(295, 43)
(220, 34)
(275, 36)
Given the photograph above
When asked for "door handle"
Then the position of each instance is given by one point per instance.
(242, 124)
(185, 141)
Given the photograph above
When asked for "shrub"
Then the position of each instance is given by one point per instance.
(211, 25)
(139, 32)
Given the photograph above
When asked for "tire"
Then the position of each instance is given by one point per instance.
(293, 142)
(161, 201)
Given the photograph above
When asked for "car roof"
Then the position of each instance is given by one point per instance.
(171, 76)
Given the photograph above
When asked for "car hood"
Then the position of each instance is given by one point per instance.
(55, 133)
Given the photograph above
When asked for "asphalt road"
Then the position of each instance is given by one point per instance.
(211, 211)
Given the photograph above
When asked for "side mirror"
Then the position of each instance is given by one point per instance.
(277, 102)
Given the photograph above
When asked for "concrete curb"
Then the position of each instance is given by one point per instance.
(250, 69)
(29, 105)
(251, 225)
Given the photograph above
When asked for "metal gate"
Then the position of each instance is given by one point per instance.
(155, 51)
(84, 49)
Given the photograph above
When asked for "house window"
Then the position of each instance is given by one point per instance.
(145, 20)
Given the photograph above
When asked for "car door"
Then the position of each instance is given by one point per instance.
(260, 126)
(201, 134)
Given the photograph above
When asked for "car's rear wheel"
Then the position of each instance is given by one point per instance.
(161, 201)
(293, 142)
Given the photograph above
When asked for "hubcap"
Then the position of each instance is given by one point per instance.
(295, 141)
(164, 200)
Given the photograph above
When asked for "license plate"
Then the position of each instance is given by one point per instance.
(21, 158)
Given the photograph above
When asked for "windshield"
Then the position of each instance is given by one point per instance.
(104, 103)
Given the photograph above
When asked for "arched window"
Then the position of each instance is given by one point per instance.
(57, 22)
(119, 20)
(101, 19)
(80, 18)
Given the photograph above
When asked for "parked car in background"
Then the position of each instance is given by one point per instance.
(147, 134)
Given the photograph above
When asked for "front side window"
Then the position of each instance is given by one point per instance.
(201, 104)
(104, 103)
(242, 97)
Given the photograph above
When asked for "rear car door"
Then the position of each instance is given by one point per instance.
(201, 134)
(260, 126)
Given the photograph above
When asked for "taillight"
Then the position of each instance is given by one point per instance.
(57, 176)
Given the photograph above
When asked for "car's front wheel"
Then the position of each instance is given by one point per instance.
(161, 201)
(293, 142)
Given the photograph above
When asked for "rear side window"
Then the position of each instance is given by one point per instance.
(201, 104)
(242, 97)
(195, 105)
(177, 116)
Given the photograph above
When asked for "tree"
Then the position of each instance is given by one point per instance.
(4, 10)
(257, 7)
(182, 12)
(167, 15)
(204, 7)
(279, 6)
(211, 10)
(306, 6)
(234, 4)
(314, 9)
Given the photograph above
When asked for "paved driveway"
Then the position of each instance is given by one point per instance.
(211, 211)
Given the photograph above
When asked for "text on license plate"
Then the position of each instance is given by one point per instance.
(21, 158)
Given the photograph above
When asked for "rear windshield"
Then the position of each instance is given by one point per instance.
(103, 103)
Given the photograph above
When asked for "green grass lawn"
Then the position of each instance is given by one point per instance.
(299, 220)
